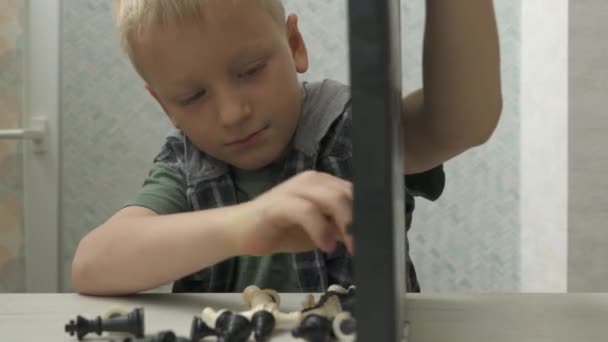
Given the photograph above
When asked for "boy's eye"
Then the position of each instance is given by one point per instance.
(252, 71)
(193, 98)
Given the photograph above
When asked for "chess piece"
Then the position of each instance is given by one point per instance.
(308, 302)
(268, 300)
(263, 323)
(329, 306)
(229, 326)
(346, 298)
(344, 327)
(200, 330)
(314, 328)
(114, 312)
(165, 336)
(132, 323)
(255, 297)
(320, 318)
(232, 327)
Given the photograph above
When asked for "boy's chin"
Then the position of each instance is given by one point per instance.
(248, 164)
(256, 161)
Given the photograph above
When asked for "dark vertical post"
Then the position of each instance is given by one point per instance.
(375, 56)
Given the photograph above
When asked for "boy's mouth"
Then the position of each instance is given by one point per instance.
(248, 139)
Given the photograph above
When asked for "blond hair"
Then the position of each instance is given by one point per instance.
(134, 17)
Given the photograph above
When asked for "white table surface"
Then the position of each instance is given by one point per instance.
(444, 318)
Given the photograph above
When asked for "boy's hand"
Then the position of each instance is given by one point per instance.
(310, 210)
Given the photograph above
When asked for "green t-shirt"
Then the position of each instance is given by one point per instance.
(164, 192)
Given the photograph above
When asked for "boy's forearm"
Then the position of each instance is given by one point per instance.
(461, 101)
(134, 254)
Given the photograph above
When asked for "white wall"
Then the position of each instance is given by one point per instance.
(544, 141)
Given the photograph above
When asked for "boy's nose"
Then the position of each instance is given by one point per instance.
(233, 109)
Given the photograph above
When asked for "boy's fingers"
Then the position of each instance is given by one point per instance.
(308, 216)
(341, 233)
(314, 178)
(342, 190)
(334, 202)
(350, 244)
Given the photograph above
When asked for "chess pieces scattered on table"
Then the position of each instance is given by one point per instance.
(319, 319)
(330, 318)
(262, 317)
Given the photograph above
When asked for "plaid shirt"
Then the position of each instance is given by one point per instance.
(210, 185)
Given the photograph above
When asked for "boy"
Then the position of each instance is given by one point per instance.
(254, 186)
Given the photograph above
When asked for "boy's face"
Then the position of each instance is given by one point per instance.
(229, 82)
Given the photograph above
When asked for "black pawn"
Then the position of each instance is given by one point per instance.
(166, 336)
(232, 327)
(200, 330)
(314, 328)
(132, 323)
(263, 325)
(163, 336)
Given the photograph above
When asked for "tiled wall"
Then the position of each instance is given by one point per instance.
(111, 128)
(467, 241)
(11, 211)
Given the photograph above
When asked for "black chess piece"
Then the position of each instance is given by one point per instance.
(348, 299)
(348, 326)
(163, 336)
(263, 324)
(232, 327)
(132, 323)
(314, 328)
(345, 327)
(168, 336)
(200, 330)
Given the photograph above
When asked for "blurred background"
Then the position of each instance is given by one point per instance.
(523, 213)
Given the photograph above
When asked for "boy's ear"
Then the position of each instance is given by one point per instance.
(296, 44)
(162, 105)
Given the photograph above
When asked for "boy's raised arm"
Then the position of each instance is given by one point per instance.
(460, 104)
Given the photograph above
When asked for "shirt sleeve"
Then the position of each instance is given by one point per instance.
(163, 191)
(428, 184)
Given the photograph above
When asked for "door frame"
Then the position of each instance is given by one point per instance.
(544, 132)
(41, 169)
